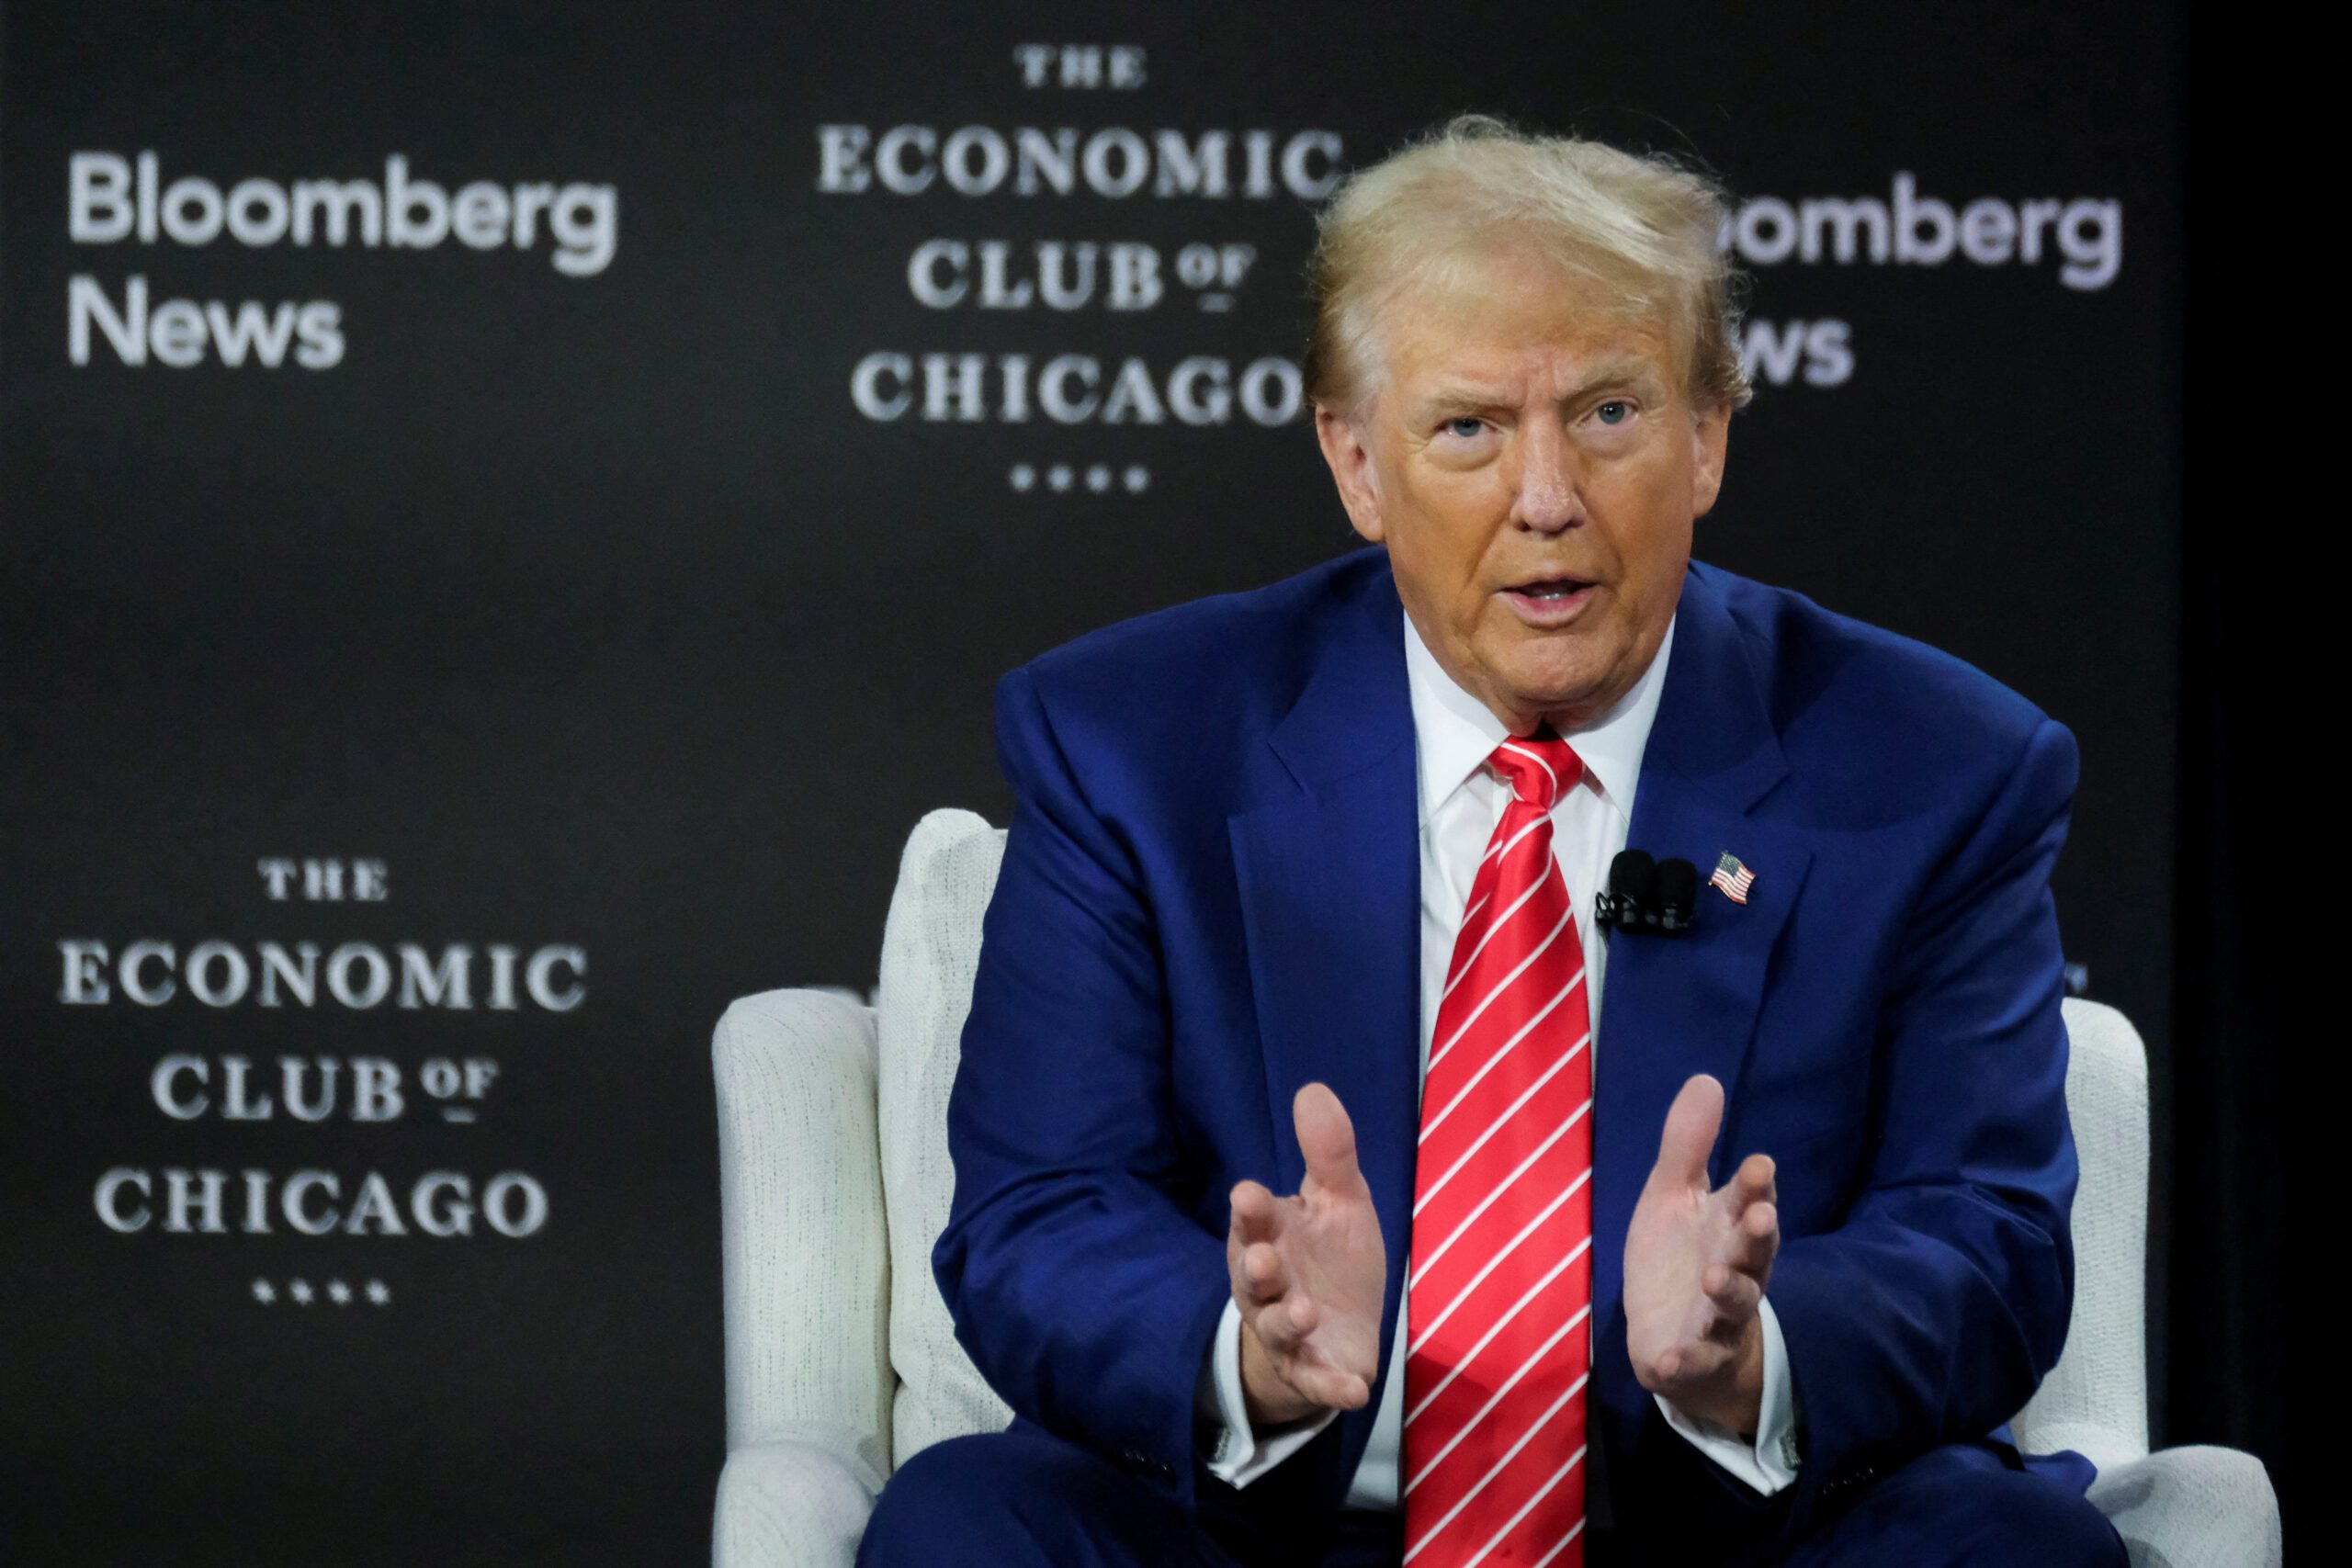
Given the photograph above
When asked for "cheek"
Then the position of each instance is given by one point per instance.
(1448, 523)
(1650, 507)
(1653, 552)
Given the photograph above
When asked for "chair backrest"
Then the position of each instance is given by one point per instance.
(2095, 1401)
(930, 950)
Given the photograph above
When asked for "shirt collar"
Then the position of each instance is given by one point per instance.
(1454, 733)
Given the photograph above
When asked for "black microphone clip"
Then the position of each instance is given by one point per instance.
(1648, 896)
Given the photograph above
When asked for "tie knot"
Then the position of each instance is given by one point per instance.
(1538, 768)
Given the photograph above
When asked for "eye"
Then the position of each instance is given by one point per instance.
(1464, 426)
(1616, 410)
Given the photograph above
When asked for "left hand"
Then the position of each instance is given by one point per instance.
(1696, 1266)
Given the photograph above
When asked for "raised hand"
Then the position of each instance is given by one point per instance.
(1307, 1273)
(1696, 1266)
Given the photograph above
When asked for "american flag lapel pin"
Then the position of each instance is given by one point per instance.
(1733, 877)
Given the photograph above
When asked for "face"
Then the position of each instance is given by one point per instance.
(1533, 466)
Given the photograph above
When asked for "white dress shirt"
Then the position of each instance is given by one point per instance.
(1461, 801)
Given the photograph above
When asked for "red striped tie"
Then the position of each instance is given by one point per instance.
(1500, 1293)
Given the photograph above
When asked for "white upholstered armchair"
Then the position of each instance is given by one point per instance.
(835, 1181)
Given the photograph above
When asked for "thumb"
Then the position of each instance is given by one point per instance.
(1691, 1123)
(1326, 1138)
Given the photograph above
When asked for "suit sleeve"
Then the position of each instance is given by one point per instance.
(1085, 1293)
(1933, 1312)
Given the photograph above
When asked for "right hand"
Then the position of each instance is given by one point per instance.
(1308, 1273)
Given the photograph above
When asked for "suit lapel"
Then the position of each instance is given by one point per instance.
(1329, 877)
(1675, 1007)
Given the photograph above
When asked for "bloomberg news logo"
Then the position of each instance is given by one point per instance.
(114, 200)
(2078, 238)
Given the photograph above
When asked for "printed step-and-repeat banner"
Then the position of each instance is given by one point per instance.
(511, 514)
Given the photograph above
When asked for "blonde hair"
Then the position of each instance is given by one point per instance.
(1642, 228)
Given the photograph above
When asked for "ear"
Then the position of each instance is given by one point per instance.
(1342, 441)
(1710, 433)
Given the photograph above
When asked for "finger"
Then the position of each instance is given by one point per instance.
(1282, 1329)
(1691, 1123)
(1326, 1138)
(1285, 1331)
(1257, 1213)
(1327, 1385)
(1263, 1278)
(1271, 1324)
(1753, 1181)
(1751, 1184)
(1749, 1242)
(1310, 1369)
(1732, 1295)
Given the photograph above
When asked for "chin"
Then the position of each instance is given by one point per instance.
(1555, 673)
(1550, 687)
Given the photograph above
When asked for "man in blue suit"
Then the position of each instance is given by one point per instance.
(1242, 857)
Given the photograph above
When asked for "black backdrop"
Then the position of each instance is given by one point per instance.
(581, 598)
(2244, 1128)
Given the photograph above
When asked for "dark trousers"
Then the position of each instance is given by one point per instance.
(1025, 1497)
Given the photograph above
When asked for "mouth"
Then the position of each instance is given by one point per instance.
(1545, 602)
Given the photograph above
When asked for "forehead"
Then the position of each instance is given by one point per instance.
(1514, 322)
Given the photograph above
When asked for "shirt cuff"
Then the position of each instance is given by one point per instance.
(1238, 1455)
(1770, 1462)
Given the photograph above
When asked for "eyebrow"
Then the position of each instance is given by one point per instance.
(1448, 402)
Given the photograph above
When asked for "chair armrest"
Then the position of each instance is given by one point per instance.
(802, 1237)
(789, 1505)
(2192, 1507)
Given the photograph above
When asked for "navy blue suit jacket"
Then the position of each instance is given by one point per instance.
(1210, 895)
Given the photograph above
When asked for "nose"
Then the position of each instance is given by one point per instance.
(1551, 480)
